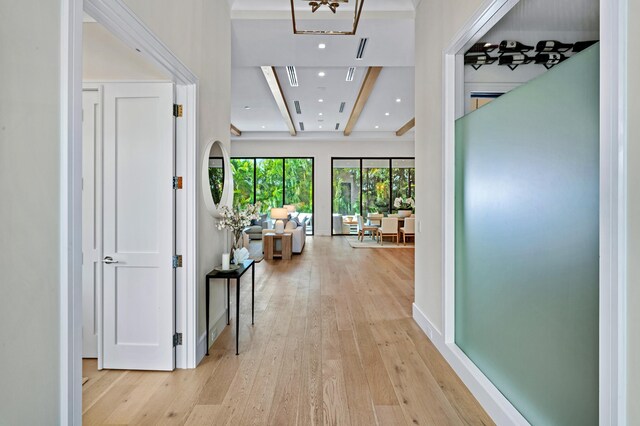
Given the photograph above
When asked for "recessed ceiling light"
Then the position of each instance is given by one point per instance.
(322, 46)
(387, 114)
(264, 127)
(247, 107)
(377, 127)
(320, 100)
(321, 74)
(398, 100)
(320, 113)
(319, 127)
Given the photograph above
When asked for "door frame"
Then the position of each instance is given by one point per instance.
(613, 214)
(124, 24)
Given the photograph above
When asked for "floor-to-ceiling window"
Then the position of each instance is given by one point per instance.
(361, 186)
(275, 182)
(270, 183)
(243, 180)
(346, 193)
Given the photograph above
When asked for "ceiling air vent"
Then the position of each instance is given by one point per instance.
(293, 76)
(337, 126)
(361, 47)
(301, 126)
(297, 105)
(351, 73)
(342, 105)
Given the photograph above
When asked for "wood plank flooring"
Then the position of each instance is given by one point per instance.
(333, 344)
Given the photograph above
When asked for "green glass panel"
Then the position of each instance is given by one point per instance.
(526, 243)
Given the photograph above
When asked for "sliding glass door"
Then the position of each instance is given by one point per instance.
(275, 182)
(376, 194)
(361, 186)
(346, 184)
(270, 183)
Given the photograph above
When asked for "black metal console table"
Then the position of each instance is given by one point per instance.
(237, 274)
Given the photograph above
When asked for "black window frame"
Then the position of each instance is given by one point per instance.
(361, 160)
(284, 189)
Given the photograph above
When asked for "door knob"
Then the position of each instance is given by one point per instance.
(109, 260)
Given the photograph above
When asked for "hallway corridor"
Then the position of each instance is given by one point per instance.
(333, 343)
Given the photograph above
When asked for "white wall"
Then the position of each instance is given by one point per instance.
(633, 236)
(322, 150)
(199, 33)
(105, 57)
(436, 24)
(29, 212)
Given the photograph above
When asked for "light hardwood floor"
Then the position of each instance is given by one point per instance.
(333, 343)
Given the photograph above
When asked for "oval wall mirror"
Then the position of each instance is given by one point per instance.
(217, 178)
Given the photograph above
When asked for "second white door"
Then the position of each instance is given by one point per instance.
(139, 227)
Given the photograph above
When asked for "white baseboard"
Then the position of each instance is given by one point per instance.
(495, 404)
(218, 326)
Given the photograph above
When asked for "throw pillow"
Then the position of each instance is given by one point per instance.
(291, 225)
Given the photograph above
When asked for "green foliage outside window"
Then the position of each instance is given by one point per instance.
(298, 183)
(243, 182)
(216, 182)
(269, 190)
(377, 182)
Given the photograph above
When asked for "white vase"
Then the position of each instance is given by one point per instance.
(404, 213)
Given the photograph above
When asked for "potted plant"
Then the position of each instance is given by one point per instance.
(236, 220)
(405, 206)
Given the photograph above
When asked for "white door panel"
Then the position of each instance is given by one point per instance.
(91, 220)
(139, 307)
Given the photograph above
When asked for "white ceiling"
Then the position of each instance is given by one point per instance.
(258, 42)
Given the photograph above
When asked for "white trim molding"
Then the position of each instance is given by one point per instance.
(70, 402)
(495, 404)
(116, 17)
(613, 212)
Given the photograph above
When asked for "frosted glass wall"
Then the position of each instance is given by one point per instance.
(527, 243)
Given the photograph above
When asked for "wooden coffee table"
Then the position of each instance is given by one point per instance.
(278, 245)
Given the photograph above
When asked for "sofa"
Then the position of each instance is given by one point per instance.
(254, 231)
(298, 238)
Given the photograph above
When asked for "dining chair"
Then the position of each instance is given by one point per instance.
(409, 229)
(389, 228)
(360, 228)
(363, 228)
(375, 218)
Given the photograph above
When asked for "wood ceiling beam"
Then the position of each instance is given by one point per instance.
(404, 129)
(363, 97)
(276, 90)
(235, 131)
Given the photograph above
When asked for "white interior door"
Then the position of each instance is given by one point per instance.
(138, 307)
(91, 220)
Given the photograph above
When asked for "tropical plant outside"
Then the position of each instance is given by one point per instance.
(380, 185)
(278, 181)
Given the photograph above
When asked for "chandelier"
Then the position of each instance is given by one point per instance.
(331, 5)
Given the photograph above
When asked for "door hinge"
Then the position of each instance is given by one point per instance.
(177, 261)
(177, 339)
(177, 182)
(177, 110)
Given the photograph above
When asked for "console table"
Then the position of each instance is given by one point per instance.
(237, 274)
